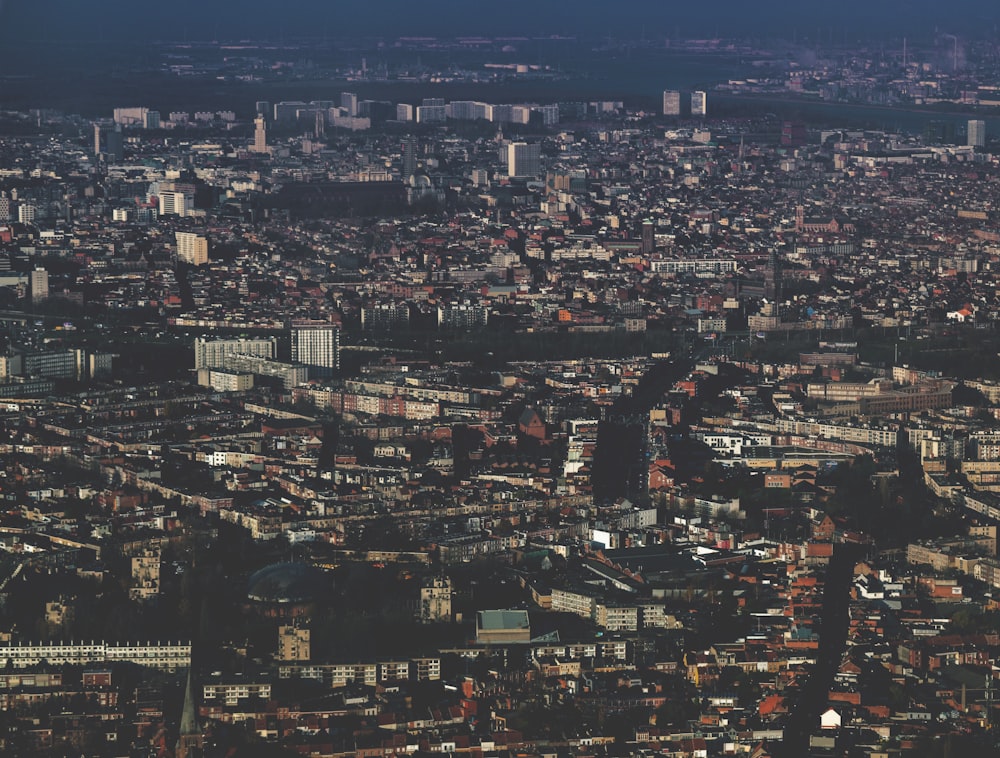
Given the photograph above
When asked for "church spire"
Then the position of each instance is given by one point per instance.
(189, 740)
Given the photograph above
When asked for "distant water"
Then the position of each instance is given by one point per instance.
(638, 77)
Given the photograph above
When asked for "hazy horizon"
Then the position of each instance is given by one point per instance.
(115, 21)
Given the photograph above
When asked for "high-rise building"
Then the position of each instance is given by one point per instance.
(192, 248)
(109, 142)
(976, 133)
(260, 135)
(385, 316)
(262, 108)
(173, 203)
(523, 159)
(115, 145)
(435, 599)
(349, 101)
(648, 237)
(26, 213)
(316, 345)
(431, 114)
(39, 285)
(214, 353)
(293, 643)
(699, 103)
(793, 133)
(404, 112)
(466, 110)
(409, 157)
(130, 116)
(773, 277)
(671, 102)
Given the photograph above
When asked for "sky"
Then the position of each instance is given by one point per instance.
(115, 21)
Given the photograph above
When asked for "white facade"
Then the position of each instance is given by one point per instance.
(164, 656)
(192, 248)
(174, 203)
(318, 347)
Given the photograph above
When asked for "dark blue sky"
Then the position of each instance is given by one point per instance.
(117, 20)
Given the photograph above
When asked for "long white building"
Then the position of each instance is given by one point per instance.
(166, 656)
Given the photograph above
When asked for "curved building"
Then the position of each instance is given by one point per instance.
(285, 589)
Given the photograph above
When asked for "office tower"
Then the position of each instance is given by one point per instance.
(151, 120)
(109, 143)
(6, 206)
(192, 248)
(349, 101)
(39, 285)
(316, 345)
(260, 135)
(215, 353)
(699, 103)
(671, 102)
(433, 102)
(319, 130)
(114, 149)
(648, 237)
(26, 213)
(976, 134)
(409, 157)
(262, 108)
(523, 159)
(404, 112)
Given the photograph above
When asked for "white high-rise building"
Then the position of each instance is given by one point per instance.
(316, 345)
(699, 103)
(671, 102)
(524, 159)
(26, 213)
(192, 248)
(173, 203)
(976, 133)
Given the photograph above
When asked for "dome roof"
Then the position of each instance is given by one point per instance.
(284, 583)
